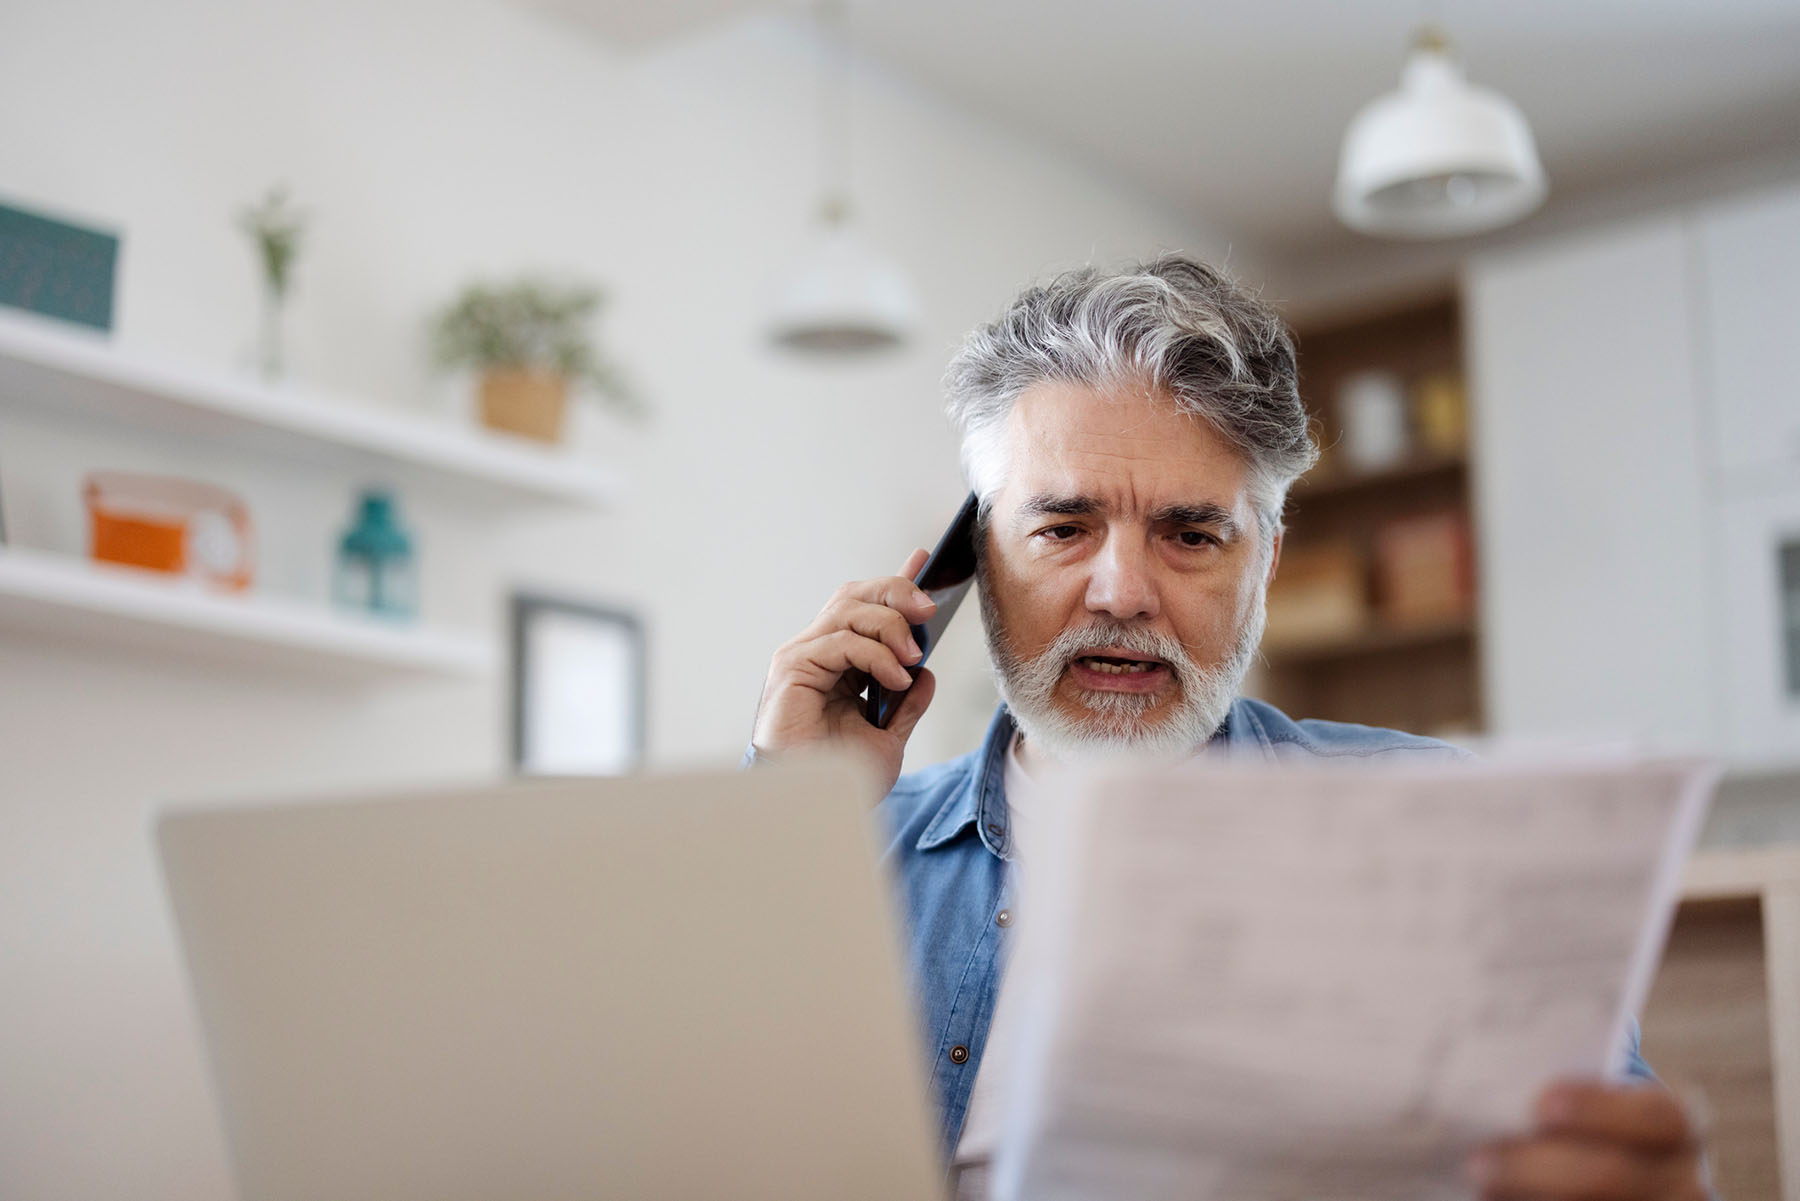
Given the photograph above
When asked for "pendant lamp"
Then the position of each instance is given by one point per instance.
(1439, 158)
(840, 296)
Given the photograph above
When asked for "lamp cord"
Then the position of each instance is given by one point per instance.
(834, 110)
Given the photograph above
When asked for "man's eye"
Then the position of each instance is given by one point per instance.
(1061, 533)
(1196, 538)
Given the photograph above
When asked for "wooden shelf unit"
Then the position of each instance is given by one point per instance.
(1423, 677)
(1324, 482)
(1378, 639)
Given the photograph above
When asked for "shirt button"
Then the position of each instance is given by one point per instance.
(959, 1054)
(1004, 919)
(996, 829)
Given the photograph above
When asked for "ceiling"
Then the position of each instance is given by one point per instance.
(1231, 111)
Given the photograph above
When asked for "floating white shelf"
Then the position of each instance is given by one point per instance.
(97, 603)
(60, 369)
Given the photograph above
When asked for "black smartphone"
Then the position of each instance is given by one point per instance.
(945, 578)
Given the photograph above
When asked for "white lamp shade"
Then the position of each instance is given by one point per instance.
(843, 297)
(1438, 158)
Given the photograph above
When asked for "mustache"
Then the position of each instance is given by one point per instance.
(1071, 645)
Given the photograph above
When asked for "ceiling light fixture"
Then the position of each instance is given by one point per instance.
(1439, 158)
(841, 296)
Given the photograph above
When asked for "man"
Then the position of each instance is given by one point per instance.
(1131, 438)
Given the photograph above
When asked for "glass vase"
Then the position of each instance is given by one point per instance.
(271, 356)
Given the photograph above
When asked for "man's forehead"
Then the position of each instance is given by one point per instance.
(1117, 452)
(1063, 419)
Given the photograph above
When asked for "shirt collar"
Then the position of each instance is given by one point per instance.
(980, 800)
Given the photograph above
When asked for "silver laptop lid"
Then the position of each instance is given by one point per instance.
(654, 988)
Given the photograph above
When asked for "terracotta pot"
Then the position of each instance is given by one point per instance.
(523, 401)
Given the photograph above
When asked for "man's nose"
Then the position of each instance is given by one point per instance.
(1121, 583)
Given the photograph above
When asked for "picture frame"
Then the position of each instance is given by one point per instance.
(578, 687)
(57, 268)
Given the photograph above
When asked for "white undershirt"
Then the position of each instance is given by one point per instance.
(981, 1124)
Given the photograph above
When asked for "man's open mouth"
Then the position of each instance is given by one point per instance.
(1118, 665)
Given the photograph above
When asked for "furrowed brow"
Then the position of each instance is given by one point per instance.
(1206, 514)
(1045, 504)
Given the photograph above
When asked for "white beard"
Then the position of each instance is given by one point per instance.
(1113, 725)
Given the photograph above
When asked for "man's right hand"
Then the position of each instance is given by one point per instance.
(811, 696)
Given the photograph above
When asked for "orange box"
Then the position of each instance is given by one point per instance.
(175, 526)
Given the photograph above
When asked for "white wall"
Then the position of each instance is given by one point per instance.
(436, 139)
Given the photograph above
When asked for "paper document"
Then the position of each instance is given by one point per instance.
(1299, 985)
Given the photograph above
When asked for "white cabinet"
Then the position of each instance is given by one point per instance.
(1594, 524)
(1637, 404)
(1748, 272)
(1760, 643)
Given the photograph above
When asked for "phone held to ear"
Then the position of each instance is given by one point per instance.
(946, 578)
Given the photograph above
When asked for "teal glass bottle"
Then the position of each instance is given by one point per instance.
(375, 568)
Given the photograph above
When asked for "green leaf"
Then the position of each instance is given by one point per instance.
(531, 323)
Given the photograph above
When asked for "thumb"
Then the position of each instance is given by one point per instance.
(912, 706)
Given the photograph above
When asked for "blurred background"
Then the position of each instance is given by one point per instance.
(399, 392)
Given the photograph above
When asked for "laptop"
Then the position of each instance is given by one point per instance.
(676, 987)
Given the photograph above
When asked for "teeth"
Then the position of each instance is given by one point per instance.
(1117, 669)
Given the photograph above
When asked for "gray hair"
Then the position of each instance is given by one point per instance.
(1184, 328)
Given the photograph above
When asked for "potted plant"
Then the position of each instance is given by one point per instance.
(530, 341)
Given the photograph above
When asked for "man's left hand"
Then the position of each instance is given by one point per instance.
(1597, 1142)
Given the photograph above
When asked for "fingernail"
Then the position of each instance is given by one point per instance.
(920, 598)
(1481, 1166)
(912, 649)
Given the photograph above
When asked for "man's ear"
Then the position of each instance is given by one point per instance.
(1274, 560)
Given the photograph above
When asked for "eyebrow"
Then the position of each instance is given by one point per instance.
(1204, 513)
(1046, 505)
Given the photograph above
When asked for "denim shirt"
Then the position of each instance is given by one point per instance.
(945, 838)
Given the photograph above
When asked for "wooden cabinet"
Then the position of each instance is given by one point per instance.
(1723, 1017)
